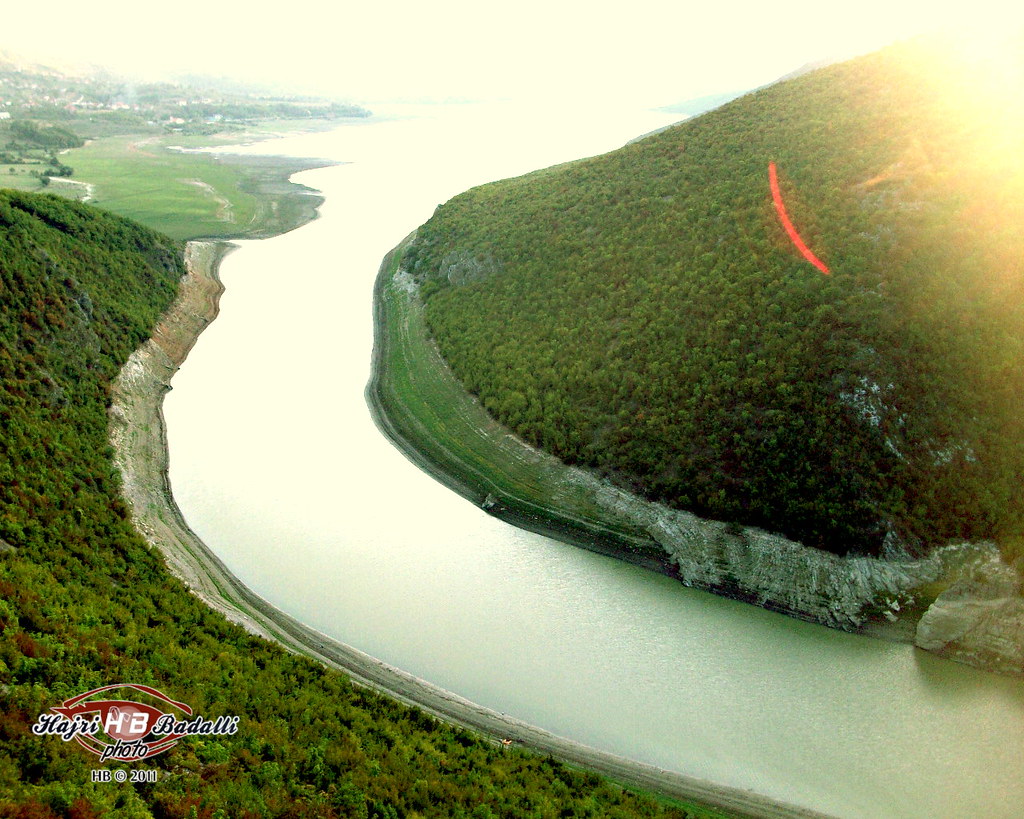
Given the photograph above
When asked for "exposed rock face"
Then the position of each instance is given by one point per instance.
(979, 619)
(780, 574)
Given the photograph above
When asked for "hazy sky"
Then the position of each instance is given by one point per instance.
(643, 50)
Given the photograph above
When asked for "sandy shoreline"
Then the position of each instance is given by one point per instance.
(138, 437)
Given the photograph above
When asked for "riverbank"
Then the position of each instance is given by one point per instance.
(423, 409)
(139, 439)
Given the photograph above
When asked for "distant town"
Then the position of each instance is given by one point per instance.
(34, 91)
(44, 111)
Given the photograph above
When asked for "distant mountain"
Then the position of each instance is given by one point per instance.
(653, 313)
(698, 105)
(806, 68)
(54, 68)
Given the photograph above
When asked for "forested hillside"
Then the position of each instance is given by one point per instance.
(645, 313)
(84, 603)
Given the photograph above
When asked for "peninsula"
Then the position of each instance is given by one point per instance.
(688, 392)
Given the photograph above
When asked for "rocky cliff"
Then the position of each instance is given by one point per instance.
(978, 618)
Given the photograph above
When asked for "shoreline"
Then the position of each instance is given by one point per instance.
(585, 532)
(961, 602)
(138, 436)
(943, 603)
(527, 488)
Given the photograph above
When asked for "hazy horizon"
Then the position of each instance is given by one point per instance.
(652, 53)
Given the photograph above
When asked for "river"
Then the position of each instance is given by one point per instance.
(277, 465)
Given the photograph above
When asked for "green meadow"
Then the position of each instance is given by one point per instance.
(190, 195)
(19, 178)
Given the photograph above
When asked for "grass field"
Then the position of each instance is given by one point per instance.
(21, 179)
(190, 195)
(428, 414)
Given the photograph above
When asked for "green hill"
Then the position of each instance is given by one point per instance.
(85, 603)
(644, 312)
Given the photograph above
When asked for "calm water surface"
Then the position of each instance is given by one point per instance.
(277, 465)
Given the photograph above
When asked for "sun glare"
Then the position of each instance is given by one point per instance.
(978, 73)
(989, 91)
(986, 67)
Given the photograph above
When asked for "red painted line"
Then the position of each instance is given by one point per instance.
(773, 179)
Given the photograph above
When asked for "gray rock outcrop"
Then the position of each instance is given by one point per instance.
(774, 572)
(979, 619)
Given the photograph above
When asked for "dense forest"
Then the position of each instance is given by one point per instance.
(645, 314)
(85, 603)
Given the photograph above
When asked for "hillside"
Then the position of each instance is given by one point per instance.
(84, 602)
(645, 314)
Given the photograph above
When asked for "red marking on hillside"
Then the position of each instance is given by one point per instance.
(773, 179)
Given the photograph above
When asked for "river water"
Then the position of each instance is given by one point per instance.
(278, 466)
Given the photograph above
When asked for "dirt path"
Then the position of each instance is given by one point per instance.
(136, 147)
(87, 189)
(224, 207)
(138, 436)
